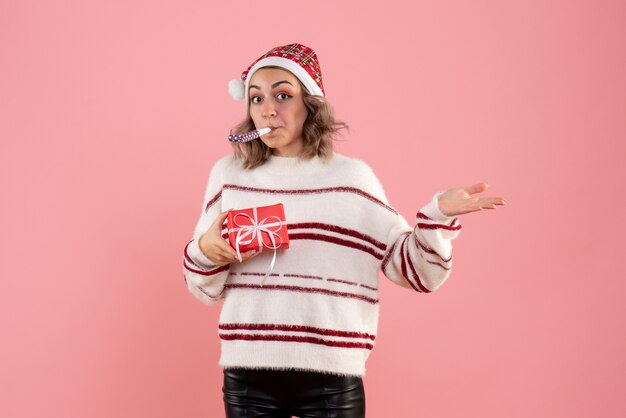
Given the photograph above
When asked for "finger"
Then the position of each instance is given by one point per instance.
(222, 216)
(487, 203)
(470, 210)
(249, 254)
(228, 257)
(218, 223)
(476, 206)
(224, 260)
(476, 188)
(225, 247)
(219, 258)
(498, 201)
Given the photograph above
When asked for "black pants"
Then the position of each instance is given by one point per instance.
(252, 393)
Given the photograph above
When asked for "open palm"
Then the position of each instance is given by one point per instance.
(459, 200)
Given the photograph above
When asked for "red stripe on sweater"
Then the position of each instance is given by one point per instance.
(403, 264)
(294, 338)
(203, 291)
(418, 281)
(206, 273)
(343, 281)
(438, 264)
(423, 246)
(187, 257)
(341, 189)
(301, 289)
(303, 276)
(338, 241)
(439, 226)
(245, 273)
(213, 200)
(331, 228)
(430, 251)
(339, 230)
(420, 215)
(389, 255)
(297, 328)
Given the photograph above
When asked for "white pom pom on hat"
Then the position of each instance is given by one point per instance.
(300, 60)
(236, 89)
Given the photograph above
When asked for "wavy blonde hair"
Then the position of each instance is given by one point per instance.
(318, 133)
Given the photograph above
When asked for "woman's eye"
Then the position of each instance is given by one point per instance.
(283, 96)
(253, 99)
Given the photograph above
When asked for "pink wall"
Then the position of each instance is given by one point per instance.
(111, 114)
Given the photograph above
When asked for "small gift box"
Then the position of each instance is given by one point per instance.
(263, 228)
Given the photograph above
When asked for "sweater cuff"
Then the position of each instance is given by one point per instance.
(433, 212)
(196, 254)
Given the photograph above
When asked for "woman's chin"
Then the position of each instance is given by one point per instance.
(270, 141)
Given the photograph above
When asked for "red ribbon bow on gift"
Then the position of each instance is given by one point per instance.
(254, 231)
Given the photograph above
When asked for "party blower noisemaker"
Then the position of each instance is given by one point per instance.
(249, 136)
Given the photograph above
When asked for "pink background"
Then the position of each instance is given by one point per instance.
(112, 113)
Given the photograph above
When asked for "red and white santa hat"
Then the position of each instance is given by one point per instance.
(298, 59)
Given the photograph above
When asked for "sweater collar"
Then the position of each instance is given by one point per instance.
(293, 167)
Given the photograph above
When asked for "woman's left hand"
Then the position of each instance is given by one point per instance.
(458, 201)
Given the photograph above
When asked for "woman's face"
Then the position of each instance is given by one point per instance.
(276, 101)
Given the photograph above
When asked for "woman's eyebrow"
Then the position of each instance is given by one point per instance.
(273, 85)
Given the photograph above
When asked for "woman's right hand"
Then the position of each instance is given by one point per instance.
(216, 248)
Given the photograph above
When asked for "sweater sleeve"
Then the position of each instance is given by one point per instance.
(421, 257)
(418, 257)
(204, 279)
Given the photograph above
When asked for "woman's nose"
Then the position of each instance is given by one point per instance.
(268, 109)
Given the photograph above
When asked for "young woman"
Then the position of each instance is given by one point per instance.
(297, 344)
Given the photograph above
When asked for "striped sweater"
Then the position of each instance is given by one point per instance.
(318, 310)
